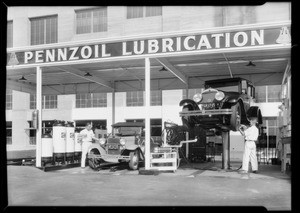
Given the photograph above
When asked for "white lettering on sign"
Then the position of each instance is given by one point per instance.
(62, 54)
(83, 52)
(104, 54)
(186, 43)
(217, 39)
(167, 44)
(178, 42)
(28, 56)
(50, 55)
(244, 39)
(38, 55)
(138, 47)
(204, 42)
(227, 39)
(153, 46)
(73, 53)
(124, 49)
(96, 51)
(255, 37)
(135, 47)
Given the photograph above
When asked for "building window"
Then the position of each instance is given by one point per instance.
(135, 98)
(274, 93)
(89, 100)
(261, 94)
(91, 21)
(9, 34)
(32, 134)
(191, 93)
(43, 30)
(9, 100)
(140, 12)
(32, 101)
(270, 93)
(156, 98)
(48, 101)
(8, 132)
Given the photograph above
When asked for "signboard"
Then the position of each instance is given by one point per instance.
(186, 43)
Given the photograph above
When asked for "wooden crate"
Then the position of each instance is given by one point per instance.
(164, 161)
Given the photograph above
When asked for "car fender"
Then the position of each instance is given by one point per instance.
(192, 105)
(132, 147)
(98, 147)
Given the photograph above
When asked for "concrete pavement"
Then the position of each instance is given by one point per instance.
(189, 186)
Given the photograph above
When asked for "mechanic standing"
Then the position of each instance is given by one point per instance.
(87, 135)
(251, 134)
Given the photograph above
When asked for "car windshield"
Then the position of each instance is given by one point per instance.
(128, 130)
(224, 86)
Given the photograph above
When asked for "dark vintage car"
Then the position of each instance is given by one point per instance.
(126, 144)
(224, 104)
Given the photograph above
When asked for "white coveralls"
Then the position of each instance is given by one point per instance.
(251, 135)
(86, 142)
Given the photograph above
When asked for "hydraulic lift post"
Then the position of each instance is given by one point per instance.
(226, 150)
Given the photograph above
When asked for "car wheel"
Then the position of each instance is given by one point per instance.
(94, 163)
(134, 160)
(235, 119)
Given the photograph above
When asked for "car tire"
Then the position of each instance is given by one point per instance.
(134, 160)
(94, 163)
(235, 119)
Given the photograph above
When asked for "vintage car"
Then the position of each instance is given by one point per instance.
(126, 144)
(224, 104)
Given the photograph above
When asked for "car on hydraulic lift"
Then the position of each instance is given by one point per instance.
(126, 144)
(223, 105)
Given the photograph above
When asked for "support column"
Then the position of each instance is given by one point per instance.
(187, 136)
(39, 123)
(113, 106)
(226, 150)
(147, 114)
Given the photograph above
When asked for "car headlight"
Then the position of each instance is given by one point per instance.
(122, 141)
(219, 95)
(197, 97)
(102, 141)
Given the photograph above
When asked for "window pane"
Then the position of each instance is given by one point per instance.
(260, 94)
(9, 34)
(153, 11)
(83, 22)
(100, 20)
(44, 30)
(274, 93)
(156, 98)
(135, 98)
(134, 12)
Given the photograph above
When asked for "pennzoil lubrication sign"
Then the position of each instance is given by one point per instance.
(149, 46)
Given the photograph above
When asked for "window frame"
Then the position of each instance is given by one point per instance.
(44, 19)
(91, 11)
(144, 11)
(9, 138)
(10, 33)
(8, 103)
(89, 100)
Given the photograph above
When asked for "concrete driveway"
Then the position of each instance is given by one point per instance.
(189, 186)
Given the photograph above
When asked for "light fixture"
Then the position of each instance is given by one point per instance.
(251, 64)
(163, 69)
(22, 79)
(87, 74)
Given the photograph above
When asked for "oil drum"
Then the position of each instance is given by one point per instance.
(59, 140)
(78, 148)
(70, 141)
(47, 149)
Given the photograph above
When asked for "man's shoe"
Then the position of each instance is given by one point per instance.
(243, 172)
(255, 171)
